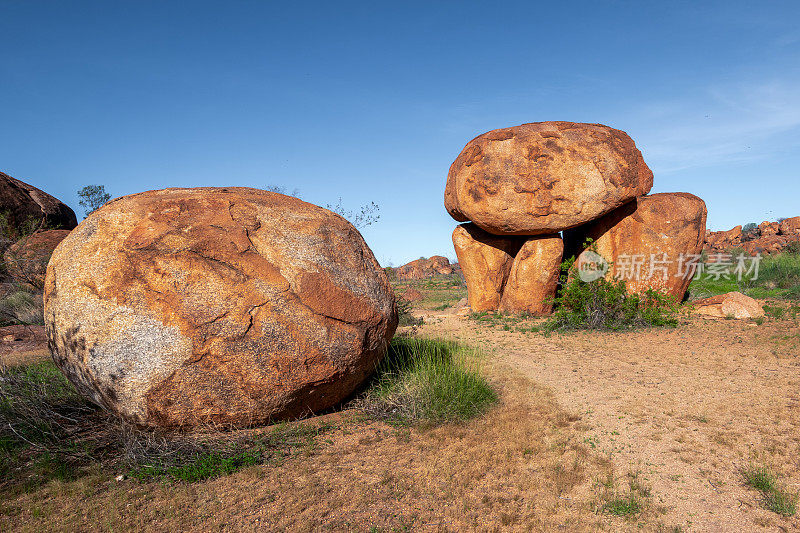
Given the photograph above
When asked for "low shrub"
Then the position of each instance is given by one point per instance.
(427, 381)
(606, 305)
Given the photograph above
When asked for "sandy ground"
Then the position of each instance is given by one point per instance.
(687, 407)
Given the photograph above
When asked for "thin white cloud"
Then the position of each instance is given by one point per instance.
(722, 124)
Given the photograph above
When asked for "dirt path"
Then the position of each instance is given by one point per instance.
(687, 407)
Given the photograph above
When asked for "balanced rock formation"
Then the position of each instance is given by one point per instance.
(230, 306)
(486, 261)
(646, 239)
(26, 208)
(533, 277)
(423, 268)
(544, 177)
(732, 304)
(26, 260)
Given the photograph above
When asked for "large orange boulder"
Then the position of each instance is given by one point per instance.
(544, 177)
(230, 306)
(790, 227)
(26, 260)
(486, 261)
(650, 241)
(533, 277)
(24, 208)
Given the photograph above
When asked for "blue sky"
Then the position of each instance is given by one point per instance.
(372, 101)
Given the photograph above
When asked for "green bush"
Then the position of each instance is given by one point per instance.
(427, 381)
(606, 305)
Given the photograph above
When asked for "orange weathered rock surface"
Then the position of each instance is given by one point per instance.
(485, 260)
(231, 306)
(544, 177)
(646, 229)
(533, 277)
(732, 304)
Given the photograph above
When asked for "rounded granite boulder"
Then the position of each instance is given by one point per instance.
(544, 177)
(232, 306)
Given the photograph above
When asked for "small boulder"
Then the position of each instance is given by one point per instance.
(533, 278)
(646, 241)
(462, 307)
(544, 177)
(226, 306)
(486, 262)
(26, 259)
(732, 304)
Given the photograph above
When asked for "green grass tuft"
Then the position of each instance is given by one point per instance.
(773, 497)
(625, 506)
(428, 381)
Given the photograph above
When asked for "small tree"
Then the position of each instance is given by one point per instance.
(365, 216)
(93, 197)
(281, 189)
(750, 231)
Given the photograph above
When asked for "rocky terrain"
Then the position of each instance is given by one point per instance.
(767, 238)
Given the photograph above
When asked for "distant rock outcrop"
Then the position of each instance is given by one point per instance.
(228, 306)
(26, 260)
(423, 268)
(768, 238)
(26, 209)
(790, 227)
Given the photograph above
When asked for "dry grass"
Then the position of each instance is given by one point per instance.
(524, 466)
(688, 406)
